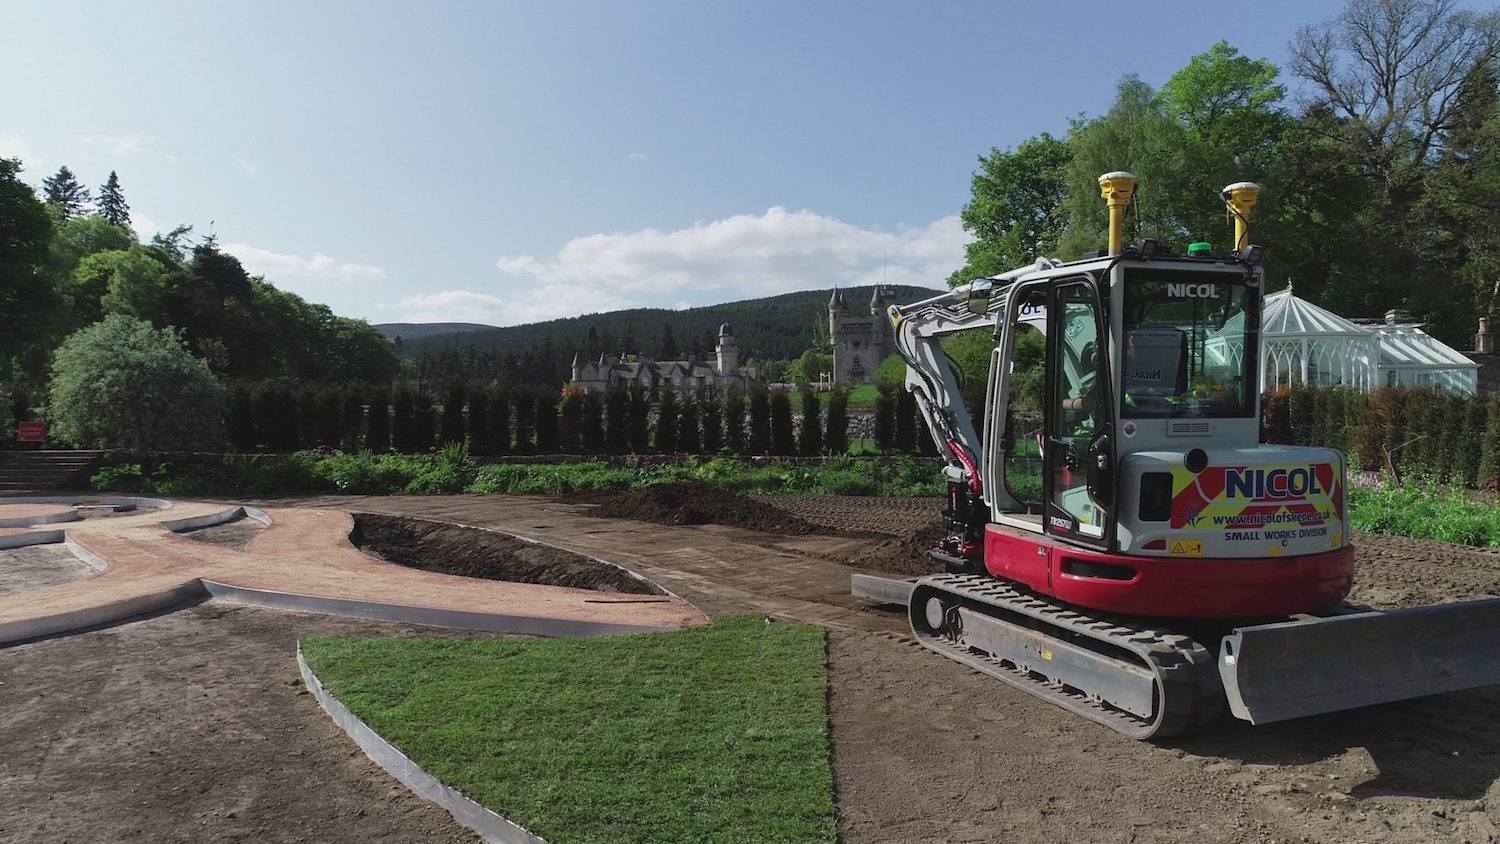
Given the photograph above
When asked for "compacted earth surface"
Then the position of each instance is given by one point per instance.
(35, 566)
(924, 749)
(189, 727)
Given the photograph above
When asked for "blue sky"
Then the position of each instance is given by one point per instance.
(509, 162)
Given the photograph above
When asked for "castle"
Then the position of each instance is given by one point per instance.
(860, 342)
(691, 376)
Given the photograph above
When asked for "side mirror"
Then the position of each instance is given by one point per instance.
(1101, 472)
(979, 296)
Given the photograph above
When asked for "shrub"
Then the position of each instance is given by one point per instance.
(404, 422)
(500, 423)
(906, 422)
(688, 435)
(128, 478)
(1300, 415)
(760, 420)
(330, 417)
(352, 419)
(783, 442)
(378, 434)
(885, 418)
(593, 424)
(616, 416)
(546, 421)
(120, 383)
(639, 418)
(1276, 426)
(524, 402)
(810, 436)
(425, 422)
(837, 438)
(713, 427)
(734, 421)
(241, 417)
(570, 429)
(1489, 447)
(666, 421)
(309, 419)
(453, 414)
(478, 423)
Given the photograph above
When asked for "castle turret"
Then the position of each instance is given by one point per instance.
(877, 302)
(729, 351)
(577, 366)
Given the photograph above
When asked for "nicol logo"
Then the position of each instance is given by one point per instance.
(1192, 291)
(1271, 484)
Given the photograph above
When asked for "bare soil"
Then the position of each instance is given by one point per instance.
(192, 727)
(36, 566)
(471, 552)
(700, 504)
(924, 749)
(236, 534)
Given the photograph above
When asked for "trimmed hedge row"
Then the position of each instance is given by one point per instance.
(1437, 434)
(284, 416)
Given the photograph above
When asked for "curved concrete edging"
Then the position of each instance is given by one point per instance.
(26, 629)
(45, 519)
(427, 616)
(489, 825)
(36, 537)
(222, 517)
(78, 500)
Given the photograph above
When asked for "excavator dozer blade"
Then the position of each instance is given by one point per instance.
(1272, 672)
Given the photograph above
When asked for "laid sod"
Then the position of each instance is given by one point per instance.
(710, 734)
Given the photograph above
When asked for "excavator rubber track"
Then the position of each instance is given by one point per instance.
(1133, 678)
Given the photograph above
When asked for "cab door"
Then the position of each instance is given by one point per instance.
(1078, 471)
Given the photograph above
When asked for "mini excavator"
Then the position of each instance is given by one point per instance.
(1133, 552)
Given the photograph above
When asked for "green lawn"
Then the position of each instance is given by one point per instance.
(709, 734)
(864, 396)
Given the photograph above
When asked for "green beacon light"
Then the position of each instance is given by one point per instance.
(1201, 249)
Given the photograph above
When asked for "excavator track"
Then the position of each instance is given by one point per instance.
(1133, 678)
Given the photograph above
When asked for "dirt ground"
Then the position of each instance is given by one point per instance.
(701, 504)
(236, 534)
(35, 566)
(924, 749)
(470, 552)
(192, 727)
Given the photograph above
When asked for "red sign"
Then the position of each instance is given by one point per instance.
(31, 432)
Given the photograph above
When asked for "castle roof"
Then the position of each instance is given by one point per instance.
(836, 302)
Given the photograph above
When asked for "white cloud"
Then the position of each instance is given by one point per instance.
(130, 143)
(171, 159)
(144, 226)
(636, 156)
(277, 267)
(741, 257)
(250, 169)
(11, 146)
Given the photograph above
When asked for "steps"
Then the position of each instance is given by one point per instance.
(43, 471)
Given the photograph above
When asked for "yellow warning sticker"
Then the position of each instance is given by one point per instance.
(1046, 655)
(1186, 548)
(1337, 540)
(1274, 551)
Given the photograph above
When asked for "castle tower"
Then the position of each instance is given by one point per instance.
(577, 366)
(729, 351)
(852, 334)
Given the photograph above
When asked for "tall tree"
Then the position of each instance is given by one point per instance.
(1015, 212)
(63, 191)
(112, 205)
(668, 343)
(29, 301)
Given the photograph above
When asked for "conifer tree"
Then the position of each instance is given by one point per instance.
(112, 205)
(63, 190)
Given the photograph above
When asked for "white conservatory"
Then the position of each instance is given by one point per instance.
(1304, 343)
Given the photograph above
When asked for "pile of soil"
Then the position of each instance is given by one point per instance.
(471, 552)
(697, 504)
(906, 554)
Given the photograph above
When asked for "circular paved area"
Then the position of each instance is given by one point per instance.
(22, 515)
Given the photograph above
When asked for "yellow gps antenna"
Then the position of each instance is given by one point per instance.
(1239, 200)
(1117, 188)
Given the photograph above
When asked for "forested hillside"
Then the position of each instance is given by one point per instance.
(415, 330)
(776, 328)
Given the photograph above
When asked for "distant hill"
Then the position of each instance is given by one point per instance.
(771, 328)
(416, 330)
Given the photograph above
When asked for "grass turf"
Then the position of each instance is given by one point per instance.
(709, 734)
